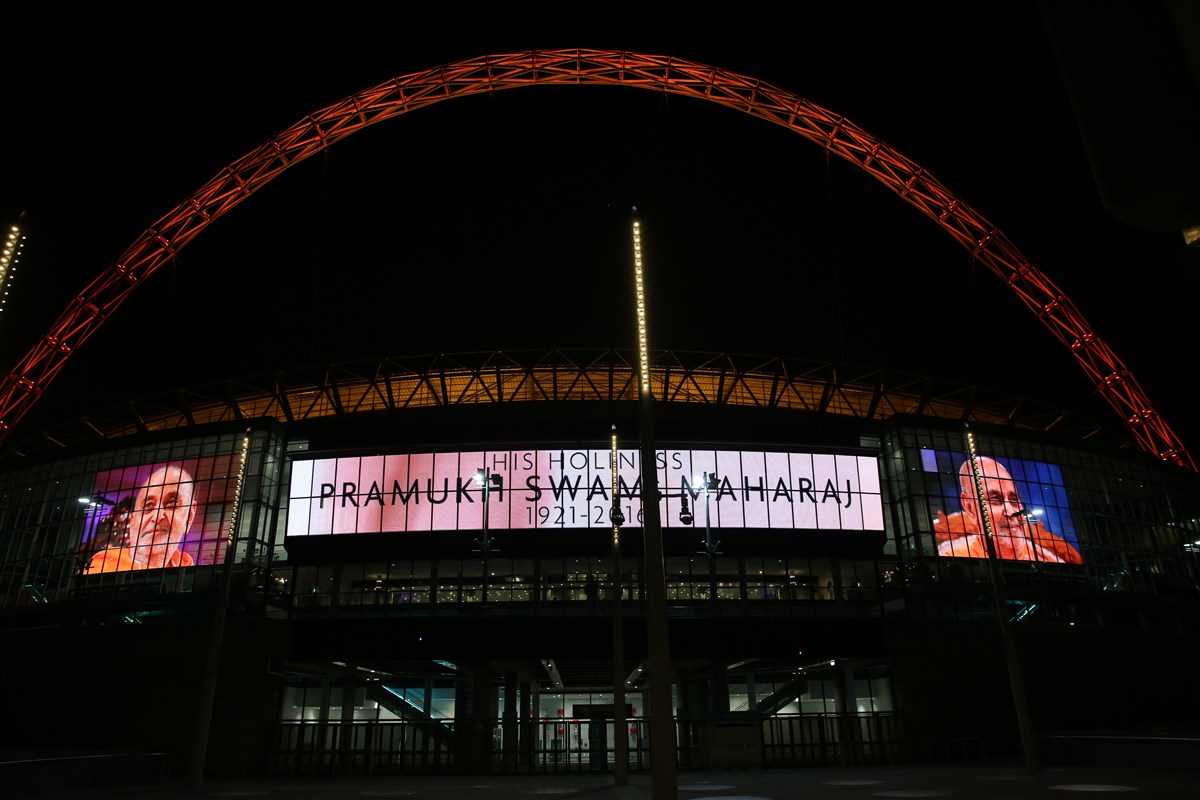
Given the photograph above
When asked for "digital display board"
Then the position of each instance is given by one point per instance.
(1025, 502)
(161, 515)
(569, 489)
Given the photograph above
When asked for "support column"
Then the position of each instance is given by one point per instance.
(686, 716)
(718, 688)
(510, 721)
(463, 698)
(483, 711)
(846, 714)
(323, 727)
(346, 726)
(528, 726)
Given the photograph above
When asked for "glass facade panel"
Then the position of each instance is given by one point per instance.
(1132, 524)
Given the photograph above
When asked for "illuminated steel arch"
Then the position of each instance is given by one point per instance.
(170, 234)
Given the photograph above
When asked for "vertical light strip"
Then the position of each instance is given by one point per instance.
(640, 284)
(981, 498)
(237, 495)
(10, 254)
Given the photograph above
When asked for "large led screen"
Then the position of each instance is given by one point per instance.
(163, 515)
(1026, 502)
(560, 489)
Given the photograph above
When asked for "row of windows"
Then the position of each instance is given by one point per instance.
(567, 580)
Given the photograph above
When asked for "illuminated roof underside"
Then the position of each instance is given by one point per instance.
(561, 375)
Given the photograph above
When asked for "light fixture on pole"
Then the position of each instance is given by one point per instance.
(711, 484)
(685, 511)
(484, 478)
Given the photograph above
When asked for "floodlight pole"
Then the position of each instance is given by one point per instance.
(663, 756)
(216, 638)
(1015, 676)
(484, 478)
(620, 719)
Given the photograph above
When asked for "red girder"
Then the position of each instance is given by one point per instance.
(401, 95)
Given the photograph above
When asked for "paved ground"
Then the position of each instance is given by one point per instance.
(986, 783)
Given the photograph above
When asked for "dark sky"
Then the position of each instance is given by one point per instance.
(502, 222)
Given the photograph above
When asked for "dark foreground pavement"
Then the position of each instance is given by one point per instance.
(785, 784)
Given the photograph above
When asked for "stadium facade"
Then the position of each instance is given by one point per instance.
(416, 566)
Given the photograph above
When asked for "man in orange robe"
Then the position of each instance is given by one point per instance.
(1015, 535)
(163, 510)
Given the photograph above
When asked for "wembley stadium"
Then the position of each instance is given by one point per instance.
(573, 559)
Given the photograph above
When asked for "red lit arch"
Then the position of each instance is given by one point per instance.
(170, 234)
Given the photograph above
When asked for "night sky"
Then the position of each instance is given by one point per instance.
(502, 222)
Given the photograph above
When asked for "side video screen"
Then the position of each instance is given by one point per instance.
(156, 516)
(1024, 501)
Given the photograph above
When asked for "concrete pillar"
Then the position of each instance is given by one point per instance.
(464, 699)
(346, 728)
(687, 718)
(849, 743)
(322, 743)
(510, 721)
(718, 688)
(484, 711)
(528, 726)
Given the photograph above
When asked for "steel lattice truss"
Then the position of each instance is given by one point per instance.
(28, 380)
(562, 376)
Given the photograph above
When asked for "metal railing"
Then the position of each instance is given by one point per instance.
(397, 747)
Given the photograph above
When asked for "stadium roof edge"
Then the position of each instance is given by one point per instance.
(504, 376)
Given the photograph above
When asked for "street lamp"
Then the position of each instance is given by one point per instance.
(685, 513)
(485, 478)
(710, 484)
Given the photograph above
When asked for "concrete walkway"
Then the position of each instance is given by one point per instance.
(985, 783)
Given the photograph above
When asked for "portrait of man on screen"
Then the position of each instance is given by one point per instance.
(147, 529)
(1017, 532)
